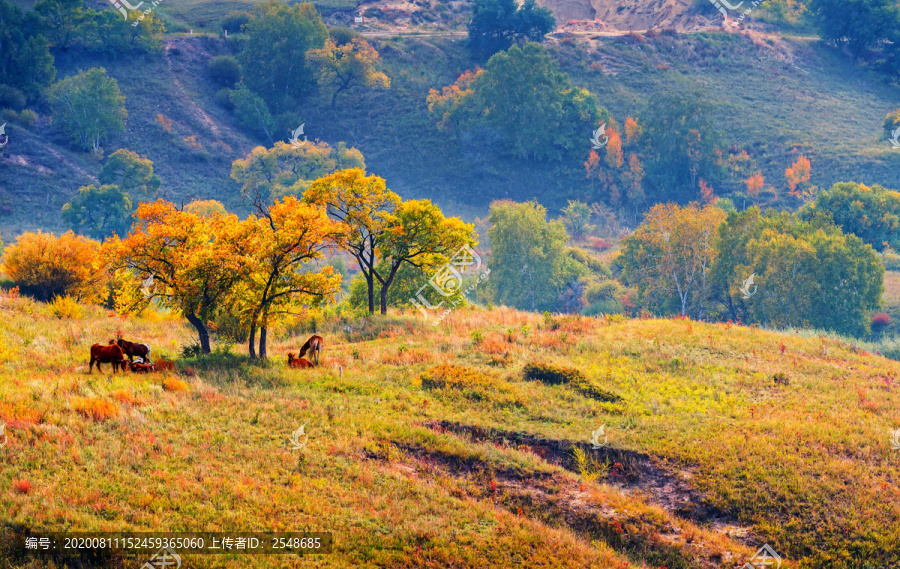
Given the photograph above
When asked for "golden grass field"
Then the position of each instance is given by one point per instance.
(428, 448)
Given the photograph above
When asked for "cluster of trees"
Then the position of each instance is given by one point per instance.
(287, 53)
(521, 104)
(101, 212)
(27, 65)
(807, 272)
(202, 261)
(498, 24)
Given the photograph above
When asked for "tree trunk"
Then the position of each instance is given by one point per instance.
(251, 345)
(202, 332)
(384, 299)
(262, 342)
(370, 283)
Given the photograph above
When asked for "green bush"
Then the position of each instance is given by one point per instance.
(225, 70)
(233, 22)
(341, 35)
(27, 118)
(552, 375)
(12, 98)
(891, 259)
(223, 99)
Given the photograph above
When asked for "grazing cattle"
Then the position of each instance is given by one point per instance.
(298, 362)
(133, 349)
(314, 345)
(140, 367)
(107, 354)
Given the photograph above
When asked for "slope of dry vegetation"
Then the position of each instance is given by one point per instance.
(429, 448)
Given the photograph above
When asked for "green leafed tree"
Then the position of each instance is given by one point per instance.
(497, 24)
(523, 97)
(418, 234)
(683, 145)
(285, 169)
(529, 265)
(89, 107)
(870, 213)
(340, 68)
(25, 60)
(805, 273)
(856, 24)
(274, 58)
(132, 173)
(253, 112)
(99, 212)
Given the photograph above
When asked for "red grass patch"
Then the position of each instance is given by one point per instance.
(123, 396)
(22, 486)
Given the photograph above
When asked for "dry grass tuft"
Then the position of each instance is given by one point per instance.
(171, 383)
(96, 409)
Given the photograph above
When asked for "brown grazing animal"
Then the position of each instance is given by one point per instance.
(107, 354)
(133, 349)
(298, 362)
(313, 345)
(138, 367)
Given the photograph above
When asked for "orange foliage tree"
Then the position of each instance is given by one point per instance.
(284, 239)
(194, 260)
(797, 177)
(47, 266)
(343, 67)
(754, 184)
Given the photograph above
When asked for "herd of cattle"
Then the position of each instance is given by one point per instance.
(114, 353)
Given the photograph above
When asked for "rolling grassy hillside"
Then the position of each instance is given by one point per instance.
(429, 448)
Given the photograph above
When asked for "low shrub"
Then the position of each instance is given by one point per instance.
(552, 375)
(65, 308)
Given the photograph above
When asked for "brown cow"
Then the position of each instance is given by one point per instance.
(107, 354)
(315, 345)
(139, 367)
(298, 362)
(133, 349)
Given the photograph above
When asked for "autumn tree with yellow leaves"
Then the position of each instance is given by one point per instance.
(669, 256)
(380, 226)
(285, 239)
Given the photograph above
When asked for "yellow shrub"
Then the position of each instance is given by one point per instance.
(46, 266)
(65, 307)
(173, 384)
